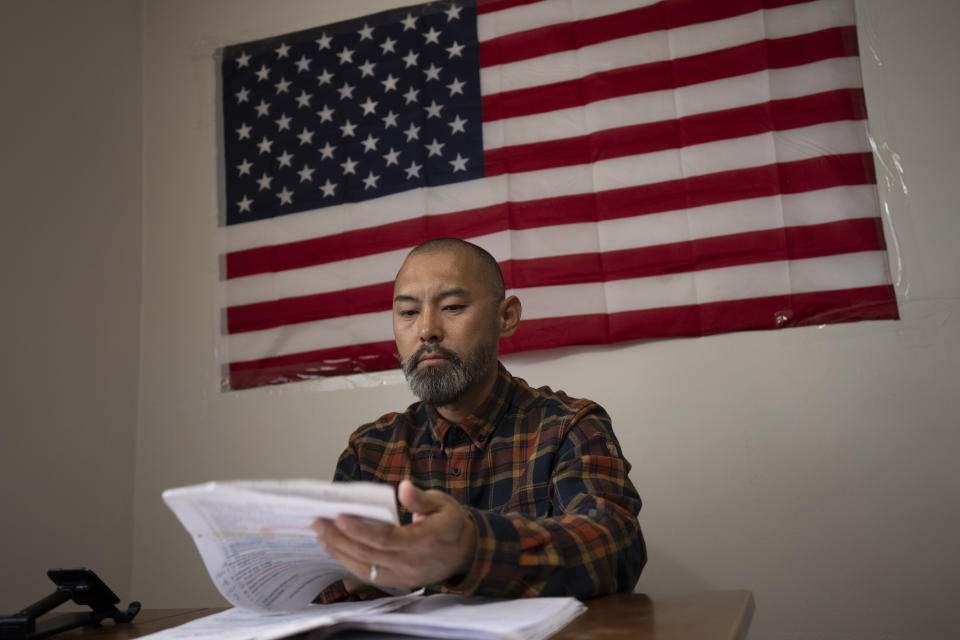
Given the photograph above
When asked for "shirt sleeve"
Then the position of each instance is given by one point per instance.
(589, 545)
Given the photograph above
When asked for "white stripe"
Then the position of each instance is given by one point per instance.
(658, 106)
(865, 269)
(659, 46)
(533, 16)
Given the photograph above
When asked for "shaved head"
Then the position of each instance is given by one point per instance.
(488, 271)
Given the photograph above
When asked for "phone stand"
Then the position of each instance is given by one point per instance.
(84, 588)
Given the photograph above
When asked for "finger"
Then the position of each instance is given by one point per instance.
(417, 501)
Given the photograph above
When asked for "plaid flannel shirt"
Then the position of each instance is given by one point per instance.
(542, 476)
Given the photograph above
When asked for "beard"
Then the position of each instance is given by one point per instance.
(441, 385)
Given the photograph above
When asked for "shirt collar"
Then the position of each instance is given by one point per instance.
(479, 425)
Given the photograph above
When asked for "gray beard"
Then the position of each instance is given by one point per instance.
(442, 385)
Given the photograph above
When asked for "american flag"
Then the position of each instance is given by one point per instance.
(640, 169)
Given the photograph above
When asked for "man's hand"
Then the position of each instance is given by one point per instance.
(439, 543)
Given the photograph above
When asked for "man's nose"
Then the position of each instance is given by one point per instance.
(431, 329)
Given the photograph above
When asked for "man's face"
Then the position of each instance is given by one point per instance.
(446, 324)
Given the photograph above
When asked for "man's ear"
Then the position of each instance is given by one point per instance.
(510, 309)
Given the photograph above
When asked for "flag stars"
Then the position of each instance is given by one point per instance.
(392, 157)
(324, 78)
(283, 86)
(410, 59)
(306, 136)
(243, 206)
(243, 60)
(370, 182)
(323, 42)
(455, 50)
(413, 171)
(390, 120)
(435, 149)
(456, 87)
(348, 129)
(262, 73)
(459, 163)
(366, 69)
(369, 106)
(457, 125)
(433, 111)
(264, 145)
(264, 182)
(284, 159)
(303, 100)
(286, 196)
(283, 51)
(243, 133)
(411, 95)
(346, 91)
(453, 13)
(326, 151)
(306, 174)
(387, 46)
(390, 84)
(283, 123)
(412, 132)
(433, 72)
(349, 167)
(366, 33)
(409, 22)
(243, 95)
(346, 56)
(262, 109)
(244, 167)
(432, 36)
(328, 188)
(303, 64)
(370, 143)
(326, 114)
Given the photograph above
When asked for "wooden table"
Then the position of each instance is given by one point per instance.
(711, 615)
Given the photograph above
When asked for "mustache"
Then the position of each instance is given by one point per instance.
(432, 350)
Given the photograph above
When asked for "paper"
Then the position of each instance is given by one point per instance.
(255, 537)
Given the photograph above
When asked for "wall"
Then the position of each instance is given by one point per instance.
(810, 465)
(70, 283)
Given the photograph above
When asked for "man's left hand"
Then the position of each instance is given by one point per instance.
(439, 543)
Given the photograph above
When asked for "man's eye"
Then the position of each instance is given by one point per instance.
(406, 313)
(454, 307)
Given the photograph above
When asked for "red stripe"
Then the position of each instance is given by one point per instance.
(848, 305)
(755, 182)
(492, 6)
(837, 42)
(778, 115)
(569, 36)
(845, 236)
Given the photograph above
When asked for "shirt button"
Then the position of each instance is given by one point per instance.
(456, 471)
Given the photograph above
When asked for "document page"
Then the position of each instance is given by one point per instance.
(255, 537)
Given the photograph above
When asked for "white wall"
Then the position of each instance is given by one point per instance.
(813, 466)
(69, 290)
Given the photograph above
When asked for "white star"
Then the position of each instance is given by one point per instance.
(244, 205)
(303, 100)
(433, 111)
(346, 91)
(284, 159)
(413, 132)
(283, 124)
(370, 182)
(413, 171)
(409, 22)
(324, 78)
(243, 132)
(262, 109)
(326, 114)
(456, 50)
(433, 73)
(283, 50)
(390, 120)
(285, 196)
(453, 13)
(432, 36)
(328, 188)
(369, 106)
(387, 45)
(366, 33)
(459, 164)
(456, 87)
(366, 69)
(411, 95)
(390, 83)
(370, 144)
(303, 64)
(264, 145)
(306, 136)
(244, 167)
(348, 129)
(435, 149)
(326, 152)
(345, 56)
(410, 59)
(391, 157)
(349, 166)
(243, 60)
(262, 72)
(283, 86)
(324, 41)
(456, 126)
(306, 174)
(264, 182)
(243, 95)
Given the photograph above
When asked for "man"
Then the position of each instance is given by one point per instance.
(504, 490)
